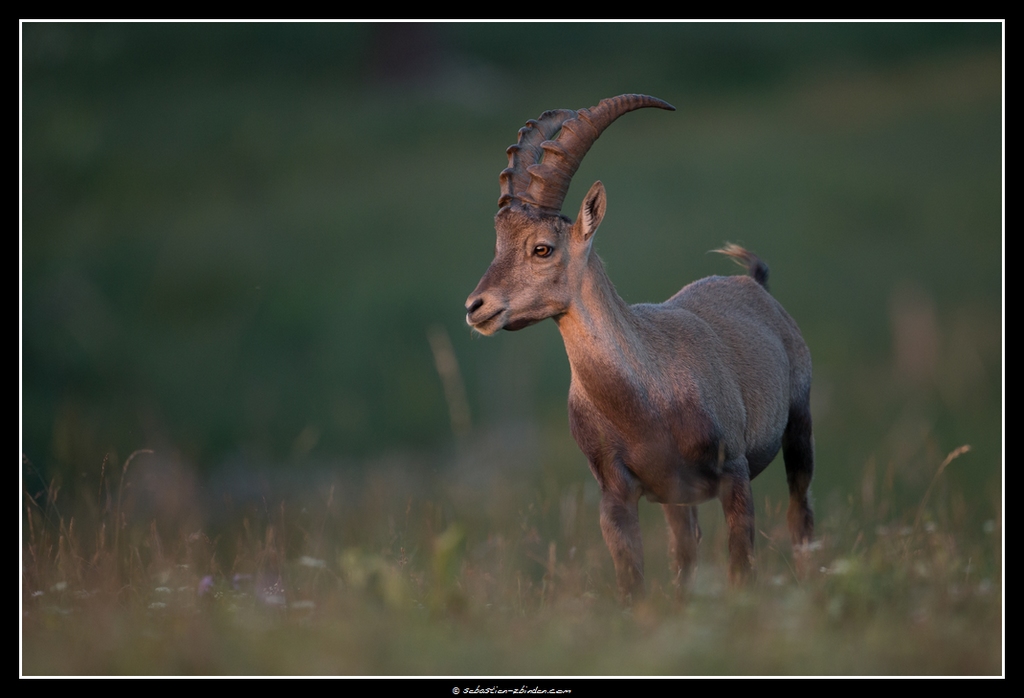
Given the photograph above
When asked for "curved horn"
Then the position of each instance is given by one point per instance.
(541, 164)
(527, 151)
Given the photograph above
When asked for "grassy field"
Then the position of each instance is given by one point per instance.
(245, 250)
(392, 577)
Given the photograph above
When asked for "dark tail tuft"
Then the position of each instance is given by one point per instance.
(757, 269)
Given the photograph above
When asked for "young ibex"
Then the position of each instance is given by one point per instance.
(680, 401)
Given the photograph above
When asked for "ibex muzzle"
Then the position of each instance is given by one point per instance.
(681, 401)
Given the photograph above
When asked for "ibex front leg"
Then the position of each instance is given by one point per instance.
(620, 525)
(683, 538)
(738, 503)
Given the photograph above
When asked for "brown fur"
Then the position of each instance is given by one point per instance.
(680, 402)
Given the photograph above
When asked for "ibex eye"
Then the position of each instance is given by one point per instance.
(543, 250)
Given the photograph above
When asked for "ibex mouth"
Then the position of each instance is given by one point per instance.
(488, 325)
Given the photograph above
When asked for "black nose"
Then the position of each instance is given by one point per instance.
(472, 306)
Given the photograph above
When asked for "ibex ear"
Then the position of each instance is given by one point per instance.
(591, 212)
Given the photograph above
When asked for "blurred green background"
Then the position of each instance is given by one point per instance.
(237, 239)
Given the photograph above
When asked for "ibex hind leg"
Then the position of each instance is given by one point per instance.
(683, 539)
(738, 504)
(798, 452)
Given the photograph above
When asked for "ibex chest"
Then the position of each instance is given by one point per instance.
(673, 449)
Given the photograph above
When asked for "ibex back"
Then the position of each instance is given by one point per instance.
(680, 401)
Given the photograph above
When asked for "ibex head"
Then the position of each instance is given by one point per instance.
(540, 254)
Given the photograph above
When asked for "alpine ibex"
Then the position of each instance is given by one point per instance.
(680, 401)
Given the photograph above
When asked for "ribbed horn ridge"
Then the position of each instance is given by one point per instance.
(550, 149)
(528, 150)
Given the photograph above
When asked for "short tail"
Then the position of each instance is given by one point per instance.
(754, 265)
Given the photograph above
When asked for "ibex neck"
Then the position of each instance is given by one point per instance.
(600, 334)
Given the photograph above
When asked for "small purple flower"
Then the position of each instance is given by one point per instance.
(205, 585)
